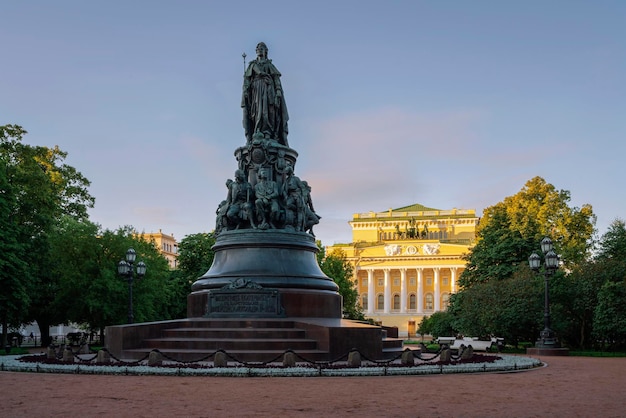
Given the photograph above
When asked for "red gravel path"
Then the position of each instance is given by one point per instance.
(567, 387)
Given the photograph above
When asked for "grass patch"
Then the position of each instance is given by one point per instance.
(15, 351)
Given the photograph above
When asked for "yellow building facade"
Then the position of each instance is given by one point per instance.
(166, 244)
(406, 261)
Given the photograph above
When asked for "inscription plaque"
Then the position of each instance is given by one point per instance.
(244, 303)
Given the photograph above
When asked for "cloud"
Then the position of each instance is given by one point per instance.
(386, 156)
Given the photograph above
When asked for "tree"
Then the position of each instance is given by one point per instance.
(337, 267)
(439, 324)
(89, 290)
(13, 270)
(609, 319)
(511, 308)
(40, 188)
(575, 299)
(612, 251)
(510, 231)
(195, 256)
(609, 322)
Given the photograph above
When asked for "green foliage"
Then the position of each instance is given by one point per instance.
(195, 254)
(13, 269)
(609, 323)
(613, 243)
(337, 267)
(87, 288)
(509, 308)
(439, 324)
(511, 230)
(573, 299)
(38, 189)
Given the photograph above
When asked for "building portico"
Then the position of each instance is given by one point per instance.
(406, 262)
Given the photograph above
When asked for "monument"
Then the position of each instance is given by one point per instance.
(265, 293)
(264, 227)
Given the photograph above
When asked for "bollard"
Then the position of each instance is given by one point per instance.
(407, 358)
(68, 355)
(289, 360)
(354, 359)
(220, 359)
(51, 353)
(103, 357)
(155, 358)
(446, 355)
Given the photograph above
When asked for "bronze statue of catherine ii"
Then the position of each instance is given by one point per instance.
(264, 110)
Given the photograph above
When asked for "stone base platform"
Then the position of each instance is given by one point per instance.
(250, 339)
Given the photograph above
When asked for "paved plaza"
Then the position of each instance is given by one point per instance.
(566, 387)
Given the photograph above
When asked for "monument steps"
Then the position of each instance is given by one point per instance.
(253, 339)
(250, 340)
(392, 347)
(212, 344)
(234, 333)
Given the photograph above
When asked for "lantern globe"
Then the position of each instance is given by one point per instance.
(123, 268)
(546, 245)
(552, 260)
(141, 269)
(534, 261)
(131, 255)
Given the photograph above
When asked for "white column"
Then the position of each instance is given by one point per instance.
(387, 291)
(403, 290)
(453, 271)
(420, 292)
(371, 297)
(437, 290)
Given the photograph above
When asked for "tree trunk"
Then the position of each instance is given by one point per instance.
(44, 331)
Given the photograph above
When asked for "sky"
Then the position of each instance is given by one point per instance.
(450, 104)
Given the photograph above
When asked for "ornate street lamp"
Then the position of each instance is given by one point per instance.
(125, 269)
(547, 337)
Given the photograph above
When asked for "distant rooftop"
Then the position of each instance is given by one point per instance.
(416, 207)
(415, 210)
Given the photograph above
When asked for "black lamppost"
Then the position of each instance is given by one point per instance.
(125, 269)
(547, 337)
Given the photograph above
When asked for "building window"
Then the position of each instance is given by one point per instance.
(396, 282)
(364, 282)
(380, 302)
(364, 301)
(396, 302)
(412, 300)
(445, 281)
(429, 301)
(412, 281)
(445, 300)
(429, 281)
(381, 282)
